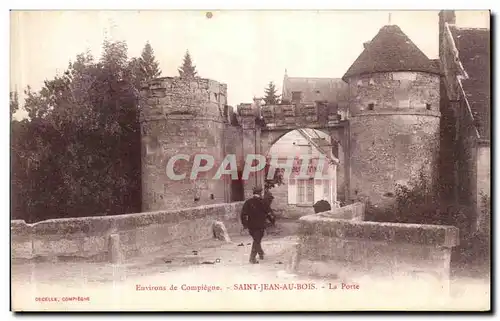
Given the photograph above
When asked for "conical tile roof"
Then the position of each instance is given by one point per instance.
(390, 50)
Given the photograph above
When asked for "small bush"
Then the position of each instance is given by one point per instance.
(417, 202)
(375, 214)
(414, 203)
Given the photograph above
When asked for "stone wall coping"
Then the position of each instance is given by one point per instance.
(418, 234)
(215, 119)
(314, 125)
(101, 224)
(344, 212)
(187, 80)
(398, 111)
(402, 71)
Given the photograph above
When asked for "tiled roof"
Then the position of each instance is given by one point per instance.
(473, 47)
(390, 50)
(314, 89)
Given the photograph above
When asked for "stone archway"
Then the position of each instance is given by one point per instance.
(337, 137)
(259, 133)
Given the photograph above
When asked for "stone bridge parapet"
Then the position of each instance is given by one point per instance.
(89, 238)
(350, 248)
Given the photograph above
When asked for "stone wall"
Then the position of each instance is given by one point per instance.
(394, 91)
(280, 194)
(350, 249)
(465, 163)
(88, 237)
(299, 116)
(354, 212)
(283, 209)
(396, 137)
(181, 116)
(233, 137)
(483, 187)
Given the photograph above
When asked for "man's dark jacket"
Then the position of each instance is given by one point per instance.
(254, 213)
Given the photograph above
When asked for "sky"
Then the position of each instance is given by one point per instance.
(244, 49)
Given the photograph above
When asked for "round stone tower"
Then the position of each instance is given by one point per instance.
(181, 117)
(394, 116)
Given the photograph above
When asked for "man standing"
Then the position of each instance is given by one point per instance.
(253, 218)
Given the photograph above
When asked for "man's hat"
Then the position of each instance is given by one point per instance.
(257, 190)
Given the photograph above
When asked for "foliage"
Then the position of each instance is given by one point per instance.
(187, 70)
(271, 97)
(14, 103)
(145, 67)
(485, 204)
(414, 203)
(77, 154)
(149, 66)
(417, 202)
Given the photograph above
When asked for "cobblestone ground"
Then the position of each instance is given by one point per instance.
(183, 280)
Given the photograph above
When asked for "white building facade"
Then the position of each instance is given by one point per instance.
(320, 182)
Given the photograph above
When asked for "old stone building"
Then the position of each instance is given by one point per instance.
(388, 120)
(325, 92)
(182, 116)
(465, 125)
(393, 116)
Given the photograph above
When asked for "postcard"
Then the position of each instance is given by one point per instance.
(250, 160)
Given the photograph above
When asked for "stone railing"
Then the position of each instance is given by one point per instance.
(102, 238)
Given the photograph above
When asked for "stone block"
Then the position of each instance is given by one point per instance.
(114, 250)
(93, 245)
(56, 245)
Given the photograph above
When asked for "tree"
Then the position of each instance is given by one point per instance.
(77, 153)
(149, 65)
(145, 67)
(14, 103)
(271, 96)
(187, 70)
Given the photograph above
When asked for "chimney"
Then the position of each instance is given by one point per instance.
(445, 16)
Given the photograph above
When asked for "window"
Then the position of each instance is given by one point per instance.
(305, 192)
(428, 106)
(296, 96)
(371, 106)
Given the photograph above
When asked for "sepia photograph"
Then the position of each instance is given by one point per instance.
(250, 160)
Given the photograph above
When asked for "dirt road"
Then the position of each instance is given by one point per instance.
(216, 276)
